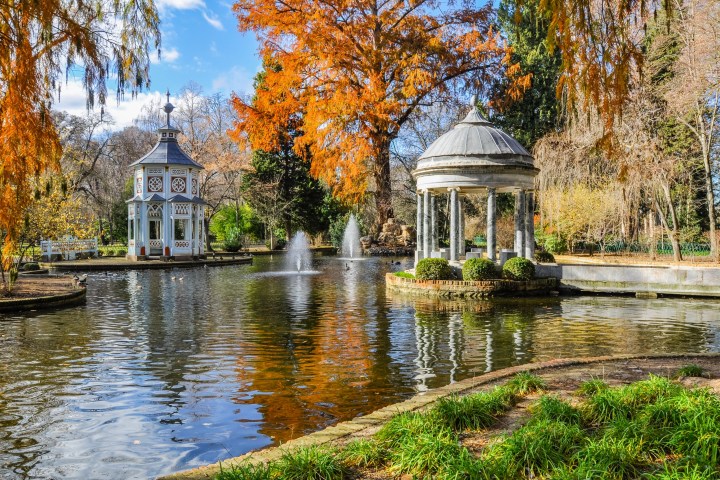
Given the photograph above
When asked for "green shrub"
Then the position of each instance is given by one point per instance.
(552, 242)
(121, 252)
(433, 269)
(690, 370)
(404, 275)
(31, 267)
(525, 382)
(519, 268)
(232, 244)
(310, 463)
(592, 387)
(246, 471)
(279, 243)
(475, 411)
(478, 269)
(364, 453)
(110, 252)
(544, 257)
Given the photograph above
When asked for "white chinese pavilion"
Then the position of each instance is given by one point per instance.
(165, 217)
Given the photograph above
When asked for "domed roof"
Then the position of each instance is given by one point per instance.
(475, 136)
(475, 155)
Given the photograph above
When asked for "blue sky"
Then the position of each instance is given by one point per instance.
(200, 43)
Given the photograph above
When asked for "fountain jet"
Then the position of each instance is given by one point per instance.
(351, 240)
(299, 258)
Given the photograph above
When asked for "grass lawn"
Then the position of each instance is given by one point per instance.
(653, 428)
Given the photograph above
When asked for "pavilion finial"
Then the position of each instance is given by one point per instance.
(473, 101)
(168, 108)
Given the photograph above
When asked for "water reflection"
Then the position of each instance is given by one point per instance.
(167, 370)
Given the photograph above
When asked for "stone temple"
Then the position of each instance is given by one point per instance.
(473, 157)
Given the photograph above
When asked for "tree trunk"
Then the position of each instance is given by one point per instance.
(711, 203)
(672, 233)
(383, 185)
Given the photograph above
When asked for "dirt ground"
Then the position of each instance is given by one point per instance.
(564, 382)
(30, 286)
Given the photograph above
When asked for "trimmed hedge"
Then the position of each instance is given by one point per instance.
(433, 269)
(544, 257)
(519, 268)
(478, 269)
(30, 267)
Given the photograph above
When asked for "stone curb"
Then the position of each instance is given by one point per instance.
(377, 418)
(70, 299)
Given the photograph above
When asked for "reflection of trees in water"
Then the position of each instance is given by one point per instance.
(314, 355)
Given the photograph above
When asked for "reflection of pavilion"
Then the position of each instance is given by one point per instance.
(437, 349)
(457, 339)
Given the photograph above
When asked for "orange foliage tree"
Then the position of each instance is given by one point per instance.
(40, 41)
(353, 72)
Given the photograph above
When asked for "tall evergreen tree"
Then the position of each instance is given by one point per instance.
(525, 27)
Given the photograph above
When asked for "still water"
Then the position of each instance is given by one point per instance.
(163, 371)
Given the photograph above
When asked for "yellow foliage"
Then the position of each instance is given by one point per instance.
(56, 214)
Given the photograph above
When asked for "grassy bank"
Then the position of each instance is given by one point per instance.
(652, 429)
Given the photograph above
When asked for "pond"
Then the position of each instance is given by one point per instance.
(167, 370)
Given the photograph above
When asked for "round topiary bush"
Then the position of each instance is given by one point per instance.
(544, 257)
(31, 267)
(519, 268)
(478, 269)
(433, 269)
(232, 245)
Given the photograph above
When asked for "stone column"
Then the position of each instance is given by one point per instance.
(419, 228)
(529, 226)
(491, 226)
(434, 222)
(453, 224)
(520, 223)
(461, 228)
(427, 235)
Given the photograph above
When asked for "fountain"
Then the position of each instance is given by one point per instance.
(299, 258)
(351, 240)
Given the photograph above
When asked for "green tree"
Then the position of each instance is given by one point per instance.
(537, 113)
(282, 192)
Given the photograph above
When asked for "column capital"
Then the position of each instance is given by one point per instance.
(456, 189)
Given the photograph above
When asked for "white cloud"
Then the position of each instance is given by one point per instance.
(168, 56)
(237, 80)
(72, 100)
(181, 4)
(213, 20)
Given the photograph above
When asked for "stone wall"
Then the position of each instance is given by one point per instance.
(674, 280)
(463, 289)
